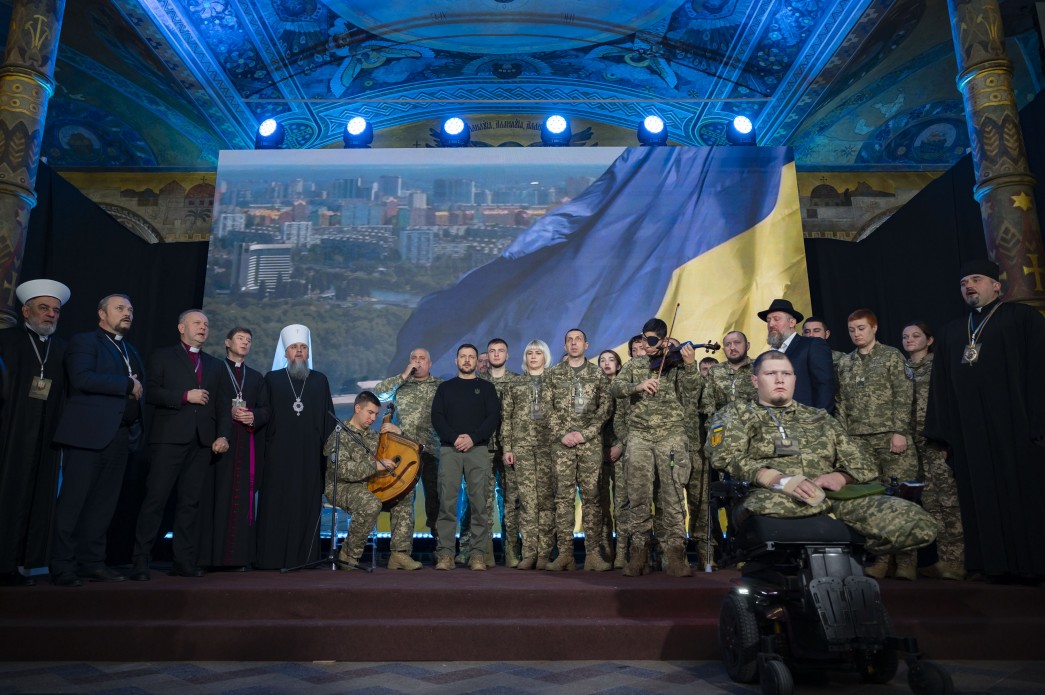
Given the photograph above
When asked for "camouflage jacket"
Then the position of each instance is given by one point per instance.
(414, 408)
(724, 385)
(354, 464)
(501, 384)
(919, 376)
(874, 394)
(666, 412)
(740, 442)
(578, 401)
(519, 399)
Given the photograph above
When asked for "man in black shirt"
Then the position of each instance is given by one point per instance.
(465, 414)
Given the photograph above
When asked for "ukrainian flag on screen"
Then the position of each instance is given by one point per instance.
(716, 230)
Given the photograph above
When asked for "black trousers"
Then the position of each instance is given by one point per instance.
(184, 465)
(91, 482)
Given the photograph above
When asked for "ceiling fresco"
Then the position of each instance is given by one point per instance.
(850, 84)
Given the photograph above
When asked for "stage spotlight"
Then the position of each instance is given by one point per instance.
(358, 133)
(652, 131)
(741, 132)
(556, 132)
(455, 133)
(270, 135)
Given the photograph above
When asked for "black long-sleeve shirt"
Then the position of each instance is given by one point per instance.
(466, 406)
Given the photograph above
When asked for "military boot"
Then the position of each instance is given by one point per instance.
(562, 563)
(675, 562)
(542, 562)
(943, 570)
(907, 566)
(594, 562)
(511, 554)
(402, 561)
(880, 568)
(527, 563)
(622, 552)
(638, 561)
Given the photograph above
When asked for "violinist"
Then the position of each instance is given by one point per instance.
(353, 469)
(657, 455)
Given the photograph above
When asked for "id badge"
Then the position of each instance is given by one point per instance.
(786, 446)
(39, 388)
(239, 403)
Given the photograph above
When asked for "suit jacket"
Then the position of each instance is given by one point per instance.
(98, 387)
(171, 375)
(814, 372)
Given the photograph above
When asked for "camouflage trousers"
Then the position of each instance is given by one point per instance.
(358, 501)
(612, 499)
(940, 498)
(577, 468)
(535, 480)
(890, 525)
(900, 466)
(698, 505)
(657, 470)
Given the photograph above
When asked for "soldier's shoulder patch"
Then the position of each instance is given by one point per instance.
(717, 434)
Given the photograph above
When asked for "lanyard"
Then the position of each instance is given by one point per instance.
(242, 381)
(123, 353)
(776, 421)
(47, 351)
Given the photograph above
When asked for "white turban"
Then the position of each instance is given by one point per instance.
(291, 335)
(43, 288)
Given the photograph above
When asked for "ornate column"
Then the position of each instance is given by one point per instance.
(1004, 184)
(26, 83)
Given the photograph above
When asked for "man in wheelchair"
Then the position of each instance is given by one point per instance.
(803, 601)
(800, 462)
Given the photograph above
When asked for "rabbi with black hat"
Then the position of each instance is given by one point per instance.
(810, 357)
(987, 404)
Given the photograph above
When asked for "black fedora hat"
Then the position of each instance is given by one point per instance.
(780, 305)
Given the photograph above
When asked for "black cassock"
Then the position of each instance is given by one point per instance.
(291, 486)
(990, 414)
(227, 512)
(28, 461)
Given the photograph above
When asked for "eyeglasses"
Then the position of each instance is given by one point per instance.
(651, 340)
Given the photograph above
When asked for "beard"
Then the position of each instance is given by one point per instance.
(778, 399)
(42, 329)
(298, 369)
(738, 359)
(775, 340)
(467, 370)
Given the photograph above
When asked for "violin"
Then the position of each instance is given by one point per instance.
(673, 357)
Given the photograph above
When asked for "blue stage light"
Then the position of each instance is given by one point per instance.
(270, 135)
(741, 132)
(556, 132)
(358, 133)
(652, 131)
(454, 133)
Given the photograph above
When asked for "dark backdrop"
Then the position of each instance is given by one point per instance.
(908, 268)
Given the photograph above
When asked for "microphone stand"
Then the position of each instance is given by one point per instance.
(332, 557)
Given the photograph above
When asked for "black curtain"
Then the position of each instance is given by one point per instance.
(908, 268)
(72, 240)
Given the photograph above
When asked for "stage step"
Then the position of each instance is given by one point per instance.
(439, 616)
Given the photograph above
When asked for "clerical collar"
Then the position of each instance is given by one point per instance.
(41, 338)
(234, 363)
(112, 336)
(190, 348)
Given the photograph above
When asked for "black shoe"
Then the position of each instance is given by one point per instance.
(66, 579)
(102, 574)
(183, 571)
(16, 579)
(139, 575)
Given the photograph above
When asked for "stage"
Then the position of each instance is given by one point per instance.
(319, 615)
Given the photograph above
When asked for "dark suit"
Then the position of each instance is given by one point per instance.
(100, 425)
(180, 439)
(814, 372)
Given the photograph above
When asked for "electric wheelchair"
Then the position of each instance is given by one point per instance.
(803, 605)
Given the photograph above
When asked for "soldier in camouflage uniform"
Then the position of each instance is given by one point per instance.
(656, 453)
(940, 497)
(795, 453)
(524, 439)
(611, 496)
(503, 477)
(873, 404)
(578, 407)
(353, 469)
(814, 327)
(414, 391)
(731, 381)
(697, 503)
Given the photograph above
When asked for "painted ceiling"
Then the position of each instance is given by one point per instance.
(850, 84)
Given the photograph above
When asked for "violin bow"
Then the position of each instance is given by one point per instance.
(671, 329)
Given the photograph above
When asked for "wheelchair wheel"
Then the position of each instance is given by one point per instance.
(926, 678)
(738, 639)
(776, 679)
